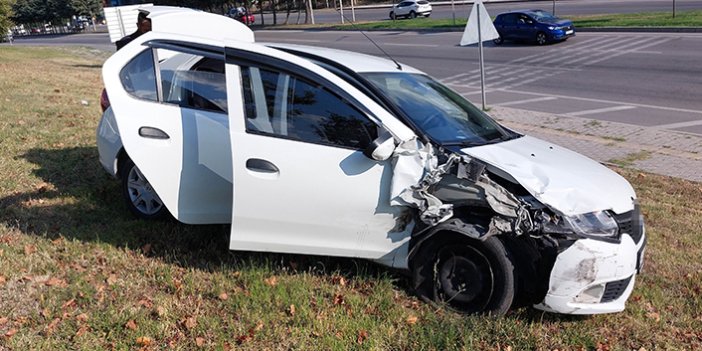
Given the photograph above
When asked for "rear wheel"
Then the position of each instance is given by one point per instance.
(393, 16)
(541, 38)
(412, 14)
(467, 275)
(140, 197)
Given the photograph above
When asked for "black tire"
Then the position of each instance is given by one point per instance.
(392, 15)
(412, 14)
(427, 15)
(541, 38)
(498, 41)
(139, 196)
(465, 275)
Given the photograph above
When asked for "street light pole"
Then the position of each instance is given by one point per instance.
(554, 7)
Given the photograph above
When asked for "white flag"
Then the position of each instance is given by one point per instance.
(487, 29)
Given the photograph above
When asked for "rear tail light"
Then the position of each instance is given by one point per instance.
(104, 100)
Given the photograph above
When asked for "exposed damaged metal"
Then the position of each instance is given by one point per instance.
(511, 213)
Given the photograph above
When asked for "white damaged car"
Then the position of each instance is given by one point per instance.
(316, 151)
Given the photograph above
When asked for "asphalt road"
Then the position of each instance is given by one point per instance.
(563, 8)
(646, 79)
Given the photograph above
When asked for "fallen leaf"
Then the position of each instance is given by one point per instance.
(52, 326)
(83, 317)
(111, 279)
(2, 279)
(291, 310)
(160, 311)
(190, 322)
(272, 281)
(11, 332)
(29, 249)
(243, 338)
(144, 341)
(362, 336)
(654, 315)
(412, 320)
(339, 280)
(146, 303)
(84, 329)
(57, 241)
(53, 281)
(338, 299)
(3, 321)
(223, 296)
(259, 326)
(69, 303)
(199, 341)
(131, 324)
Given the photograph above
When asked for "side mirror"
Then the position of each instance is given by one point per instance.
(381, 148)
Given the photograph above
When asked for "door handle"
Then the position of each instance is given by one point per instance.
(259, 165)
(152, 133)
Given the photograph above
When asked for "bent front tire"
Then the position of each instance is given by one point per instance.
(468, 276)
(140, 197)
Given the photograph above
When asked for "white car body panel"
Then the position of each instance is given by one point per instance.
(589, 265)
(109, 142)
(565, 180)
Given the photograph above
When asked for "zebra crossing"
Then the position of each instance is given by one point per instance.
(554, 61)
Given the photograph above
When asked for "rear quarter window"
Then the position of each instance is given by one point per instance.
(138, 77)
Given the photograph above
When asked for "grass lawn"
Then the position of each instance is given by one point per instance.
(77, 272)
(648, 19)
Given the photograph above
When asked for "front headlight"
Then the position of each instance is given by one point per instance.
(598, 224)
(551, 27)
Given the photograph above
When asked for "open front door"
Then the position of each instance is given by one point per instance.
(301, 181)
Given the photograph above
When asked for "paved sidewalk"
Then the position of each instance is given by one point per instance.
(648, 149)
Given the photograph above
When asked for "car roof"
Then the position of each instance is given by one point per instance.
(530, 12)
(355, 61)
(170, 19)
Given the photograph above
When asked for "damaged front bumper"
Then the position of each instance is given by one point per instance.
(594, 277)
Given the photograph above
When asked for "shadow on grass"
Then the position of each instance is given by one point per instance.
(80, 201)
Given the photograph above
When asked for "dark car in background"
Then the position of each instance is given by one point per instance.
(532, 25)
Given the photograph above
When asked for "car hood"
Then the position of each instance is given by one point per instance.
(561, 179)
(559, 23)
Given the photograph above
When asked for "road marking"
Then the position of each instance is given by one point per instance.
(414, 45)
(518, 102)
(664, 108)
(679, 125)
(305, 40)
(599, 110)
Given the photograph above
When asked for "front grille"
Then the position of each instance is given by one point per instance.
(614, 290)
(630, 223)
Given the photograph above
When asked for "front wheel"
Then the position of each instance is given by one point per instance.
(413, 14)
(393, 16)
(468, 276)
(140, 197)
(541, 38)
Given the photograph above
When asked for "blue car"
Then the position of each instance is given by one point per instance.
(532, 25)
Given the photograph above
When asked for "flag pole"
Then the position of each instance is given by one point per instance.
(482, 68)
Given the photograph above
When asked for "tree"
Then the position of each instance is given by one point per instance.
(5, 16)
(86, 7)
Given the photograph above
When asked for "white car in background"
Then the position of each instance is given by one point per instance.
(411, 9)
(310, 150)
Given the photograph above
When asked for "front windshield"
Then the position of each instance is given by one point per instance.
(446, 117)
(543, 16)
